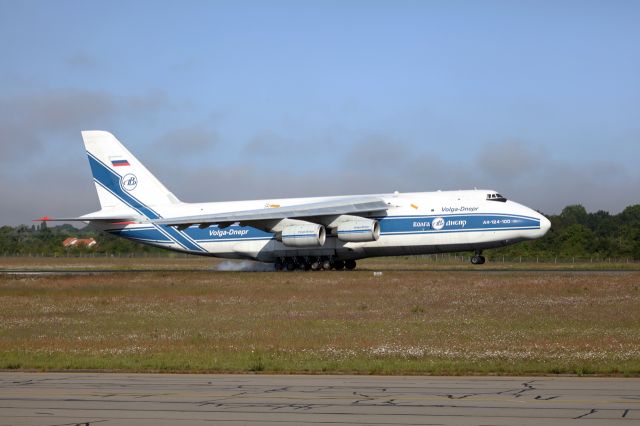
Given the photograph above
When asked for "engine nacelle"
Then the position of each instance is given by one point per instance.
(311, 235)
(358, 231)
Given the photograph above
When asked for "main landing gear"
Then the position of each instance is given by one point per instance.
(312, 263)
(478, 258)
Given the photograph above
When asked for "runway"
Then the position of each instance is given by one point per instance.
(154, 399)
(76, 272)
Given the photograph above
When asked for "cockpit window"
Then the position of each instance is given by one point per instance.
(496, 197)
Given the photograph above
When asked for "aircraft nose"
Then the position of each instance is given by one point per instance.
(545, 225)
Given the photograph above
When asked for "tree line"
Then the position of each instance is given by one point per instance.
(574, 233)
(47, 240)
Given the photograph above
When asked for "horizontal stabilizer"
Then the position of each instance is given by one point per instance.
(103, 219)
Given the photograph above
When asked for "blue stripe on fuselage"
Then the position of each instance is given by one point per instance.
(389, 225)
(455, 223)
(142, 234)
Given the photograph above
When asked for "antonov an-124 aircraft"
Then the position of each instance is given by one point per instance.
(299, 233)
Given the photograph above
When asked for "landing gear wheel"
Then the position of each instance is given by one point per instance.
(477, 258)
(289, 265)
(338, 265)
(350, 264)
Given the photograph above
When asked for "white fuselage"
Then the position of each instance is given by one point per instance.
(415, 223)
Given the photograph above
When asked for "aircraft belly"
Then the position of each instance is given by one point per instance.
(415, 244)
(266, 250)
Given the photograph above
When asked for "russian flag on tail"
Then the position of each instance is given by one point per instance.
(119, 162)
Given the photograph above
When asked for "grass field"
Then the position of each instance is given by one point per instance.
(407, 321)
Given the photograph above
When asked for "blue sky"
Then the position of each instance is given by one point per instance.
(233, 100)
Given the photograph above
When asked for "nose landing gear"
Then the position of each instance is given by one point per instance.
(478, 258)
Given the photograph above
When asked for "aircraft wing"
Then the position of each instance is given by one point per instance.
(340, 206)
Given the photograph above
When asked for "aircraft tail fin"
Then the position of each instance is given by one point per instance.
(121, 180)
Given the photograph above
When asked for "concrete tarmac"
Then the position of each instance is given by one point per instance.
(195, 399)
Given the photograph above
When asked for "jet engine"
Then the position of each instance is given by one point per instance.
(358, 231)
(311, 235)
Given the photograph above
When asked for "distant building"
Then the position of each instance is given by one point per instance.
(79, 242)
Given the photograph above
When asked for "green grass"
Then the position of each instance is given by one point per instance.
(404, 322)
(199, 362)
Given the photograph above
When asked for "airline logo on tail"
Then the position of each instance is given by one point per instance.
(129, 182)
